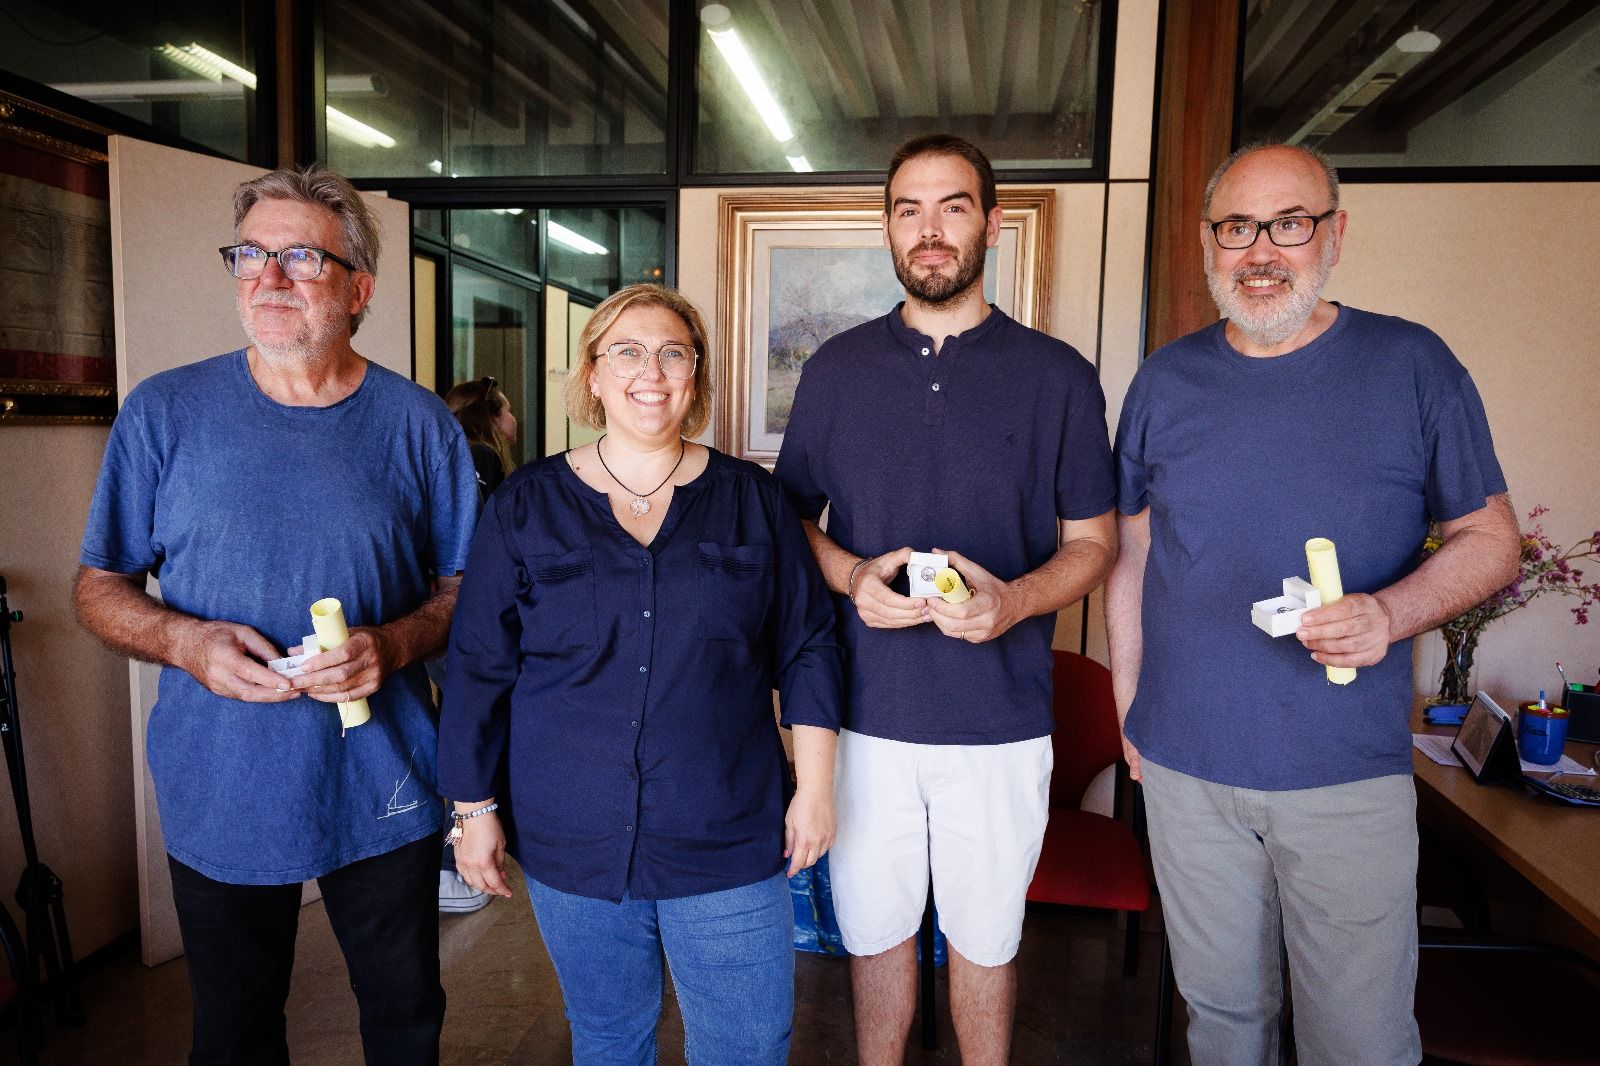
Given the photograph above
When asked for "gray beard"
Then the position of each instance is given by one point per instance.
(1277, 324)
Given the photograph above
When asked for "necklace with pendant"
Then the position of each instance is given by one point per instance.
(641, 504)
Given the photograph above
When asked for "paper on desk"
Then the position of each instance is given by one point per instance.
(1437, 748)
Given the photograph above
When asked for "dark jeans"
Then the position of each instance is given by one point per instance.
(240, 943)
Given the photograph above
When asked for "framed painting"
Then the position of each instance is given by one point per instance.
(796, 268)
(57, 339)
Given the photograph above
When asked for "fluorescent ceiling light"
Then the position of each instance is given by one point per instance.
(576, 241)
(800, 163)
(206, 63)
(436, 165)
(359, 132)
(506, 210)
(729, 43)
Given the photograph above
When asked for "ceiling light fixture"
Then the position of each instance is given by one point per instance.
(576, 241)
(203, 61)
(728, 42)
(800, 163)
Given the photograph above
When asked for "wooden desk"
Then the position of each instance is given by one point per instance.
(1557, 848)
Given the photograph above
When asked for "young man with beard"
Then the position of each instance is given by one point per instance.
(1281, 807)
(946, 426)
(254, 484)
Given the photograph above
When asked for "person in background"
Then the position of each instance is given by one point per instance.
(1281, 808)
(629, 606)
(485, 416)
(253, 484)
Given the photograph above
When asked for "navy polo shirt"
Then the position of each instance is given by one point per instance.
(617, 698)
(979, 448)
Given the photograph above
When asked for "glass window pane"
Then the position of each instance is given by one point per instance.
(506, 236)
(837, 86)
(599, 250)
(494, 334)
(1381, 83)
(487, 88)
(186, 68)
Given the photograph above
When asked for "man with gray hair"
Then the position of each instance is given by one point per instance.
(253, 484)
(1281, 807)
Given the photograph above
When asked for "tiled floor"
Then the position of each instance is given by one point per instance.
(1074, 1004)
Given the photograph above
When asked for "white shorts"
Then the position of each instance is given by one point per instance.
(973, 815)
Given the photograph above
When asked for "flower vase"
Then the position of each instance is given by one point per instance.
(1455, 680)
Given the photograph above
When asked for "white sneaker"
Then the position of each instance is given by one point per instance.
(457, 897)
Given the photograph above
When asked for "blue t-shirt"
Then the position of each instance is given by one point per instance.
(1361, 436)
(617, 699)
(978, 449)
(249, 511)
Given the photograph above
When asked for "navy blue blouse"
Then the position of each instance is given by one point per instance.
(617, 698)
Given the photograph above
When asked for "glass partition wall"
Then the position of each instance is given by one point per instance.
(517, 283)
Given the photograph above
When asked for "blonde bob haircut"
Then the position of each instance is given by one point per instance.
(584, 407)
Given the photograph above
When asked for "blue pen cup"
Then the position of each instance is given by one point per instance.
(1542, 733)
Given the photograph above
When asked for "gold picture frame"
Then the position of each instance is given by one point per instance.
(795, 268)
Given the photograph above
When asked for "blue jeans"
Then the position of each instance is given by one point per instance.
(732, 960)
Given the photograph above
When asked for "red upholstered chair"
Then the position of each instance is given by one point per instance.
(1088, 859)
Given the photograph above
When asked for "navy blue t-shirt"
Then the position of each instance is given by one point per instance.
(980, 449)
(617, 699)
(1362, 436)
(250, 511)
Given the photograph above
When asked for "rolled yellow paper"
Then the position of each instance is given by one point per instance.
(951, 588)
(1323, 562)
(327, 617)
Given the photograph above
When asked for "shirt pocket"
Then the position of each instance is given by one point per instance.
(735, 587)
(556, 596)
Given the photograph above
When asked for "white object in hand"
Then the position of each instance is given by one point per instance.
(922, 573)
(1280, 616)
(290, 666)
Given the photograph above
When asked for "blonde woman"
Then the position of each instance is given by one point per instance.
(628, 608)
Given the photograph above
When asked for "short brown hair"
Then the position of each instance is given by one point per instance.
(322, 187)
(945, 144)
(584, 407)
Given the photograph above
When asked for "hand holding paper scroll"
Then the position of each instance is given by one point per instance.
(987, 610)
(327, 617)
(1323, 561)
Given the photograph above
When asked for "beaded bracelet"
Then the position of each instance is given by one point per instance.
(459, 820)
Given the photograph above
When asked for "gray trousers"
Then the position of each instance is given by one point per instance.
(1328, 875)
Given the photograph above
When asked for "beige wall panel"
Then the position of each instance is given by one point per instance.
(177, 314)
(1075, 265)
(1121, 345)
(72, 694)
(1521, 310)
(425, 319)
(1133, 88)
(557, 361)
